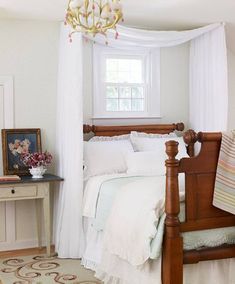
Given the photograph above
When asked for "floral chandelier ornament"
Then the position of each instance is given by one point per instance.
(93, 17)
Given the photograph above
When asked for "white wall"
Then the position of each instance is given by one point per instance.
(174, 88)
(29, 53)
(231, 88)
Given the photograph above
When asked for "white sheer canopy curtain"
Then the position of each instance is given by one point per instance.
(208, 109)
(68, 234)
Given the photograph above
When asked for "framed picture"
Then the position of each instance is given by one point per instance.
(16, 142)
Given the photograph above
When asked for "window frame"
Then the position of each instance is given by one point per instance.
(151, 82)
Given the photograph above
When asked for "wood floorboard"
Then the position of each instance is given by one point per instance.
(25, 252)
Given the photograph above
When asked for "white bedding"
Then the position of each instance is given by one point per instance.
(114, 270)
(136, 211)
(91, 193)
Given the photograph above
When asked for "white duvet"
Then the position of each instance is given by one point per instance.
(91, 193)
(132, 223)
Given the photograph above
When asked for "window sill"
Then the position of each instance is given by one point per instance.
(126, 117)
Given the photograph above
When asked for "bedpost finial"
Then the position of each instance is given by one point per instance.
(171, 149)
(179, 126)
(87, 128)
(190, 137)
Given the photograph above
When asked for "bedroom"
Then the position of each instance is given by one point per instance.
(30, 56)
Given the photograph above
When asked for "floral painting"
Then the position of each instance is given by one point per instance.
(17, 142)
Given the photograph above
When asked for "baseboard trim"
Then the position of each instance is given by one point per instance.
(24, 252)
(20, 244)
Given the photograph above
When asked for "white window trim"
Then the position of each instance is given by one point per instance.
(152, 64)
(8, 100)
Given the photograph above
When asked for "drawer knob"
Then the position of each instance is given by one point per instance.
(12, 191)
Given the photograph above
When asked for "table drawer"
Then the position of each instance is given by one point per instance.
(18, 192)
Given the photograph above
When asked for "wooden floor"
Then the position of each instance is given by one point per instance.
(24, 252)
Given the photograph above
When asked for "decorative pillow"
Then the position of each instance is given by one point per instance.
(146, 163)
(110, 138)
(105, 157)
(158, 145)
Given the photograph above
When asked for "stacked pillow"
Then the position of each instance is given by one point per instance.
(110, 138)
(144, 164)
(136, 154)
(106, 157)
(141, 144)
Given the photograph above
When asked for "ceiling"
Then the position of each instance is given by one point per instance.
(151, 14)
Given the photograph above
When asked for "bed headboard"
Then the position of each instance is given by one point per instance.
(126, 129)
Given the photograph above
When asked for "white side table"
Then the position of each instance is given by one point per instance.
(38, 189)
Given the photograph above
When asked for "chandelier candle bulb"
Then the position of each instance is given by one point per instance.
(74, 4)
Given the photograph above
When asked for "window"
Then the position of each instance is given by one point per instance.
(124, 85)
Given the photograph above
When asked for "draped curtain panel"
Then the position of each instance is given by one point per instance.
(208, 109)
(68, 234)
(130, 38)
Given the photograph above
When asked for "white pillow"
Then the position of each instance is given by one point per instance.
(152, 135)
(110, 138)
(106, 157)
(158, 145)
(145, 163)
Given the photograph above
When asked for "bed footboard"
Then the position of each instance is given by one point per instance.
(200, 173)
(200, 214)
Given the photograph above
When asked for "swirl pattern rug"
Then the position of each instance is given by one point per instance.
(44, 270)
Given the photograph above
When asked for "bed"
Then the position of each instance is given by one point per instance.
(199, 172)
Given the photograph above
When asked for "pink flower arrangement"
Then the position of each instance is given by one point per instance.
(36, 159)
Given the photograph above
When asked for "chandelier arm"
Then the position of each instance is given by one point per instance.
(93, 13)
(99, 5)
(111, 25)
(77, 22)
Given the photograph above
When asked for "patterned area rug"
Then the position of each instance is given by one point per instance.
(44, 270)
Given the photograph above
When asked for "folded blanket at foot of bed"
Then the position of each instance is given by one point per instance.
(135, 205)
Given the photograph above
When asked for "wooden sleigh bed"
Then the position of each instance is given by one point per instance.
(200, 172)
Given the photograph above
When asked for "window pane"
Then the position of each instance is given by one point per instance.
(112, 64)
(112, 76)
(124, 65)
(136, 71)
(125, 104)
(123, 77)
(137, 92)
(112, 105)
(111, 92)
(137, 105)
(125, 92)
(124, 70)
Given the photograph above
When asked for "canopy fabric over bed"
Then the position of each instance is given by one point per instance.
(208, 109)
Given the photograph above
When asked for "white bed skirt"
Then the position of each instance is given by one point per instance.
(113, 270)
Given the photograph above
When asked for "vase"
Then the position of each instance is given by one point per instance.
(37, 172)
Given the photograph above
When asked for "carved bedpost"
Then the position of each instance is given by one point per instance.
(87, 128)
(190, 138)
(173, 243)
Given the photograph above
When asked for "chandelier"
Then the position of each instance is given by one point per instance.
(93, 16)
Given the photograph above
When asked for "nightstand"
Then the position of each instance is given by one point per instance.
(38, 189)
